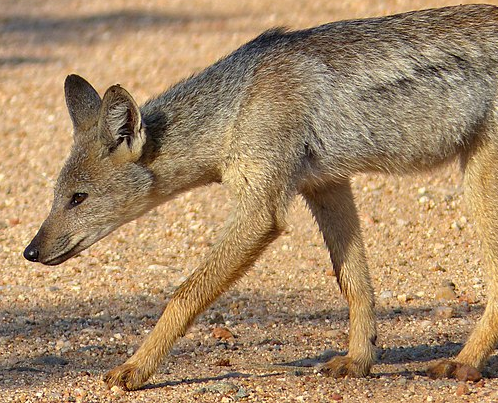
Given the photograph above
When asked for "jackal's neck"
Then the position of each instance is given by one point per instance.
(202, 102)
(186, 128)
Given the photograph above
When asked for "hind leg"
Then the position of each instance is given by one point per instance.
(481, 191)
(335, 212)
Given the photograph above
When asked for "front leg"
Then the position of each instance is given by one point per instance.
(253, 226)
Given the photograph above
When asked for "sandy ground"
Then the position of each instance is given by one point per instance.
(62, 327)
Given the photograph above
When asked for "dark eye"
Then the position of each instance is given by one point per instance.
(78, 198)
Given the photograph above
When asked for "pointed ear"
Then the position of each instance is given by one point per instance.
(82, 101)
(120, 125)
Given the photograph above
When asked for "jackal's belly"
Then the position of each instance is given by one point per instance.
(403, 138)
(399, 149)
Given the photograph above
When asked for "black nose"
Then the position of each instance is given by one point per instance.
(31, 253)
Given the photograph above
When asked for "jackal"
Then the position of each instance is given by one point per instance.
(291, 112)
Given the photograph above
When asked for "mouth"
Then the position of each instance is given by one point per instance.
(78, 247)
(54, 261)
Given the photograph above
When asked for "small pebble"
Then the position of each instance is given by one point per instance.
(403, 298)
(425, 324)
(444, 312)
(241, 394)
(462, 389)
(14, 221)
(333, 334)
(423, 200)
(386, 294)
(402, 223)
(329, 272)
(222, 387)
(221, 333)
(438, 267)
(117, 391)
(445, 293)
(216, 318)
(223, 362)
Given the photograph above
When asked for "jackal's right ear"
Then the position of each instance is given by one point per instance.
(120, 126)
(82, 101)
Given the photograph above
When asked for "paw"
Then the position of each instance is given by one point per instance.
(340, 367)
(126, 376)
(453, 369)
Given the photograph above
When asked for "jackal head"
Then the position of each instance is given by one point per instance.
(102, 184)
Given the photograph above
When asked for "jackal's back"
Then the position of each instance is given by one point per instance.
(395, 93)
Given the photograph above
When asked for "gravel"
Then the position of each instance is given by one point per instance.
(62, 327)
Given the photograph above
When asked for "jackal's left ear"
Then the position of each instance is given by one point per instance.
(120, 125)
(82, 101)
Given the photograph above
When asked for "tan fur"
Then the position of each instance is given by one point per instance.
(291, 113)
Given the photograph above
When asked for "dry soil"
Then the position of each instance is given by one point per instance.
(62, 327)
